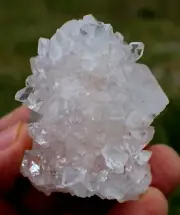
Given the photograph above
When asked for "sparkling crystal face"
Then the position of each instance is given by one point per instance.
(92, 106)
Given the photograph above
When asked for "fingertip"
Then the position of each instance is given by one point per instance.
(165, 168)
(152, 202)
(11, 158)
(158, 199)
(19, 114)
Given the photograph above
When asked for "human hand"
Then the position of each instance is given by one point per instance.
(18, 197)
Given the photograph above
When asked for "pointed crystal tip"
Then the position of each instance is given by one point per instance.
(137, 49)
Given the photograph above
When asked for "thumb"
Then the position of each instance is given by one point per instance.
(13, 142)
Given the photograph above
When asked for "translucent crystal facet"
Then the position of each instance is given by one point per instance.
(92, 107)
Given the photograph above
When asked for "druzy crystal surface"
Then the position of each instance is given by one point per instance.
(92, 107)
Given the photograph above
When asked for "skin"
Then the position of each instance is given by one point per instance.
(17, 196)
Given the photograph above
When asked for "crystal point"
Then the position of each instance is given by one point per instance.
(137, 49)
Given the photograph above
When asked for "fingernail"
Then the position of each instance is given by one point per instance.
(9, 136)
(20, 114)
(23, 137)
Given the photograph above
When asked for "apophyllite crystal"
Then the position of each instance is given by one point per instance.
(92, 106)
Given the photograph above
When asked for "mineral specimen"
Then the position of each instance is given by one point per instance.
(92, 106)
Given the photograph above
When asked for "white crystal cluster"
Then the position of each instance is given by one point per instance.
(92, 106)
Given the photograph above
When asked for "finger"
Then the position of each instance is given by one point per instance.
(20, 114)
(29, 200)
(35, 202)
(13, 142)
(152, 202)
(165, 168)
(6, 209)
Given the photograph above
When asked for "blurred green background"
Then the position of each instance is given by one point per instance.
(154, 22)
